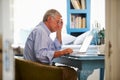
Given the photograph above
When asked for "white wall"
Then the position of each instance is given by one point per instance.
(28, 13)
(7, 35)
(98, 12)
(0, 18)
(0, 25)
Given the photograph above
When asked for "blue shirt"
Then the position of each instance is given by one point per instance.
(39, 46)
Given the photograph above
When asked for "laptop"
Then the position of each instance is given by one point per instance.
(83, 49)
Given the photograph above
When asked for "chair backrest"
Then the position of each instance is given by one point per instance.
(28, 70)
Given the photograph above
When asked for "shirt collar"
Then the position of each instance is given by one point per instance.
(45, 27)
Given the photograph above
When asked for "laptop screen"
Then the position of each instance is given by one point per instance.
(86, 43)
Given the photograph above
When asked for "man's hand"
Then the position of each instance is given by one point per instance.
(60, 24)
(67, 51)
(63, 52)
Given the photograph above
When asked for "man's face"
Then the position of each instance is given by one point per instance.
(55, 23)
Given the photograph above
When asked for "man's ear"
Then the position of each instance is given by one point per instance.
(49, 18)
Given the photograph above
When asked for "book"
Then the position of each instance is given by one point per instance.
(83, 22)
(79, 22)
(75, 4)
(76, 21)
(72, 21)
(83, 4)
(79, 4)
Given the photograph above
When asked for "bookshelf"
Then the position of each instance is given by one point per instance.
(78, 16)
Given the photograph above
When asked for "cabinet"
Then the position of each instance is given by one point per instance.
(78, 16)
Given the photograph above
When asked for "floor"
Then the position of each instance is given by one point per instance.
(94, 75)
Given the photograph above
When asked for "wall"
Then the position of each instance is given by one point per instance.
(0, 42)
(7, 36)
(0, 26)
(28, 15)
(112, 63)
(0, 17)
(98, 12)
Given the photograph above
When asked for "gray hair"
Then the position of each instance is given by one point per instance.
(51, 12)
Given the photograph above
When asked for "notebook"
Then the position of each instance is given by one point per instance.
(84, 46)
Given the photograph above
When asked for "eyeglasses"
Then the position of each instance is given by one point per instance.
(57, 21)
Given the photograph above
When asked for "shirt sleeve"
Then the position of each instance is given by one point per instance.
(57, 44)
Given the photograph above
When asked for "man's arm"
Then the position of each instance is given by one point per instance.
(59, 36)
(58, 33)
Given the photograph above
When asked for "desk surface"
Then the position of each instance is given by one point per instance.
(78, 61)
(86, 57)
